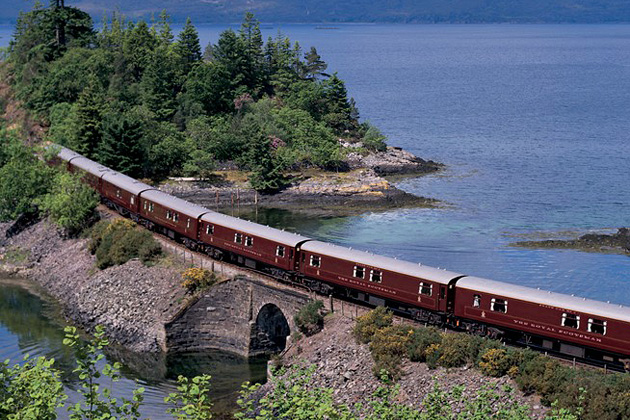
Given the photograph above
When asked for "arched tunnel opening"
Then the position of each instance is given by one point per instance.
(270, 332)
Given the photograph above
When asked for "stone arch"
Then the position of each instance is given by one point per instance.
(269, 331)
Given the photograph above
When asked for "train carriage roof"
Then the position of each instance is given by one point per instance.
(543, 297)
(174, 203)
(65, 153)
(254, 229)
(90, 166)
(125, 182)
(384, 263)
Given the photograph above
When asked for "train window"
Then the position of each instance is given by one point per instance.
(570, 320)
(476, 301)
(498, 305)
(359, 272)
(238, 238)
(118, 193)
(188, 223)
(280, 251)
(426, 289)
(597, 326)
(151, 207)
(132, 200)
(168, 215)
(176, 217)
(316, 261)
(145, 204)
(376, 276)
(249, 241)
(209, 229)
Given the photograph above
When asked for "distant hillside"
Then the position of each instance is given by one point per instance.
(394, 11)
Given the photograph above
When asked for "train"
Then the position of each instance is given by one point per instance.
(574, 327)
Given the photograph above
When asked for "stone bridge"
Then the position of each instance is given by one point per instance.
(245, 316)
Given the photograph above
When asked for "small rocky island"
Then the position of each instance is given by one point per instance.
(363, 185)
(618, 242)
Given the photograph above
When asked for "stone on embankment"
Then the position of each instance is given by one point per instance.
(132, 301)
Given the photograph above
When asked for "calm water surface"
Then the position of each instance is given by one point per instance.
(30, 324)
(532, 121)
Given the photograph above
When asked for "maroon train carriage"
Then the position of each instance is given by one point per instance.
(91, 171)
(175, 217)
(253, 245)
(381, 280)
(564, 324)
(122, 193)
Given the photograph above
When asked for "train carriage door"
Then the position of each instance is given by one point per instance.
(442, 298)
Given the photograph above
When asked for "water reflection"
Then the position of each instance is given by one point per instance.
(30, 323)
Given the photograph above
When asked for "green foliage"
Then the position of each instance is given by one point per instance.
(23, 178)
(31, 390)
(388, 347)
(309, 318)
(97, 401)
(195, 278)
(117, 242)
(293, 397)
(70, 203)
(420, 340)
(135, 99)
(373, 139)
(367, 325)
(192, 399)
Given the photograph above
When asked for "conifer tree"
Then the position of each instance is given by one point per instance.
(121, 147)
(188, 48)
(88, 117)
(314, 65)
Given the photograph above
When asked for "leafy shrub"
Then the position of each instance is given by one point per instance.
(119, 241)
(432, 355)
(456, 350)
(495, 362)
(71, 204)
(373, 139)
(388, 347)
(367, 325)
(309, 318)
(195, 278)
(420, 340)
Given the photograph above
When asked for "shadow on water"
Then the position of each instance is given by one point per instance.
(31, 323)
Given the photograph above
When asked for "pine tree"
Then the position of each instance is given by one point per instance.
(314, 65)
(188, 48)
(165, 34)
(89, 117)
(339, 111)
(121, 148)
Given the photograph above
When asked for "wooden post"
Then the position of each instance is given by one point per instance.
(232, 198)
(330, 299)
(217, 200)
(238, 202)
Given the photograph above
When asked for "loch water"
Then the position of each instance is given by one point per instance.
(532, 122)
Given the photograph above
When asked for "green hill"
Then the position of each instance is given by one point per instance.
(398, 11)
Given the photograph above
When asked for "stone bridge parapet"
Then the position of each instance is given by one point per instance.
(242, 315)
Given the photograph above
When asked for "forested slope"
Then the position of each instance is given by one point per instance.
(134, 97)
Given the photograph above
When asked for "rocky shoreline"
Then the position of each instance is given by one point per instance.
(133, 302)
(618, 243)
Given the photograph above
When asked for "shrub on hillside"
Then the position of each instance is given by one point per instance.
(71, 204)
(119, 241)
(309, 318)
(195, 278)
(420, 340)
(388, 347)
(367, 325)
(456, 350)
